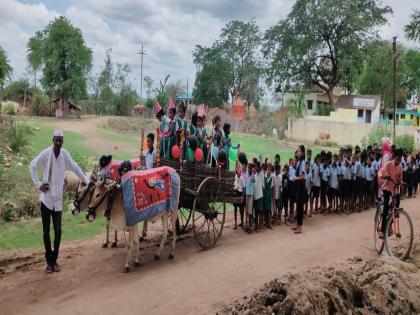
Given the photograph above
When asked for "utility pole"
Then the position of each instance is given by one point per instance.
(142, 52)
(394, 89)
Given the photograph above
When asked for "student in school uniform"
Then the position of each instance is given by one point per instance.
(201, 133)
(277, 187)
(325, 174)
(333, 184)
(369, 177)
(166, 129)
(150, 155)
(292, 190)
(316, 185)
(238, 190)
(216, 137)
(227, 142)
(267, 194)
(258, 195)
(181, 123)
(359, 173)
(285, 191)
(308, 185)
(346, 170)
(300, 190)
(249, 180)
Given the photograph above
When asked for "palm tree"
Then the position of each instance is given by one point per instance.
(5, 67)
(34, 53)
(412, 30)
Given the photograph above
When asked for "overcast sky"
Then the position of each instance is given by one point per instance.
(170, 29)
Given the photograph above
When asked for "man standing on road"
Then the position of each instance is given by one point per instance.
(54, 161)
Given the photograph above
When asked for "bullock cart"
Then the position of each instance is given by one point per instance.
(205, 191)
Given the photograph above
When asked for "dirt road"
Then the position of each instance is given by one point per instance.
(196, 282)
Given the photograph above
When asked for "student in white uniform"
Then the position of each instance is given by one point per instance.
(54, 161)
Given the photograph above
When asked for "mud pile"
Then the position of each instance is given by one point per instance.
(359, 286)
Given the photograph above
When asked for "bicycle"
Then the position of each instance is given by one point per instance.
(399, 234)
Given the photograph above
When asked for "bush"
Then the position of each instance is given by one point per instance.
(39, 104)
(324, 109)
(376, 134)
(81, 160)
(18, 136)
(10, 108)
(406, 142)
(7, 211)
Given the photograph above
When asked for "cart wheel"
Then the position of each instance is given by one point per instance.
(208, 213)
(184, 216)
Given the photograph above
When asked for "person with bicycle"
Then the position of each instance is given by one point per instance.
(392, 175)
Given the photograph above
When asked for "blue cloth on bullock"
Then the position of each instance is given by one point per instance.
(148, 193)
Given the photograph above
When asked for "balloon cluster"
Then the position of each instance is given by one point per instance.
(193, 151)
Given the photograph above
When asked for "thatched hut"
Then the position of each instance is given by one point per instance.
(60, 107)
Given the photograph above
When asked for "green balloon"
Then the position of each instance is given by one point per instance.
(233, 155)
(190, 155)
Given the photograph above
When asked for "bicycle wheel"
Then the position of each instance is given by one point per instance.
(399, 235)
(379, 243)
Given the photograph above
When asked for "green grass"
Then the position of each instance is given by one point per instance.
(28, 234)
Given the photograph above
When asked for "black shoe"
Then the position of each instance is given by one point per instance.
(48, 269)
(56, 268)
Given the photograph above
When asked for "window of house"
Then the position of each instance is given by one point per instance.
(390, 116)
(310, 104)
(402, 116)
(411, 117)
(360, 113)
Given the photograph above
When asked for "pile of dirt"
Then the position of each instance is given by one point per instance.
(359, 286)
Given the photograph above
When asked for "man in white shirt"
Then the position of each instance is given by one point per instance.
(54, 161)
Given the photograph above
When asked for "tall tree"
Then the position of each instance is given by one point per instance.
(213, 78)
(412, 30)
(5, 67)
(66, 60)
(148, 84)
(127, 97)
(34, 53)
(376, 77)
(318, 38)
(106, 80)
(175, 89)
(239, 43)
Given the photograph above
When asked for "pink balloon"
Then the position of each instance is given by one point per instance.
(198, 154)
(175, 152)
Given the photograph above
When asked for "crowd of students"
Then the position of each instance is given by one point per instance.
(305, 186)
(274, 193)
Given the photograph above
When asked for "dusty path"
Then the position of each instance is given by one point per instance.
(89, 126)
(196, 282)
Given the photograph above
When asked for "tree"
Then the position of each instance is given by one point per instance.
(19, 91)
(123, 101)
(5, 67)
(213, 78)
(239, 43)
(412, 30)
(34, 53)
(296, 106)
(316, 42)
(376, 77)
(66, 60)
(175, 89)
(106, 80)
(230, 65)
(148, 83)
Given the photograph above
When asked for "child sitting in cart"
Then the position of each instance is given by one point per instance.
(216, 138)
(166, 129)
(227, 142)
(181, 123)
